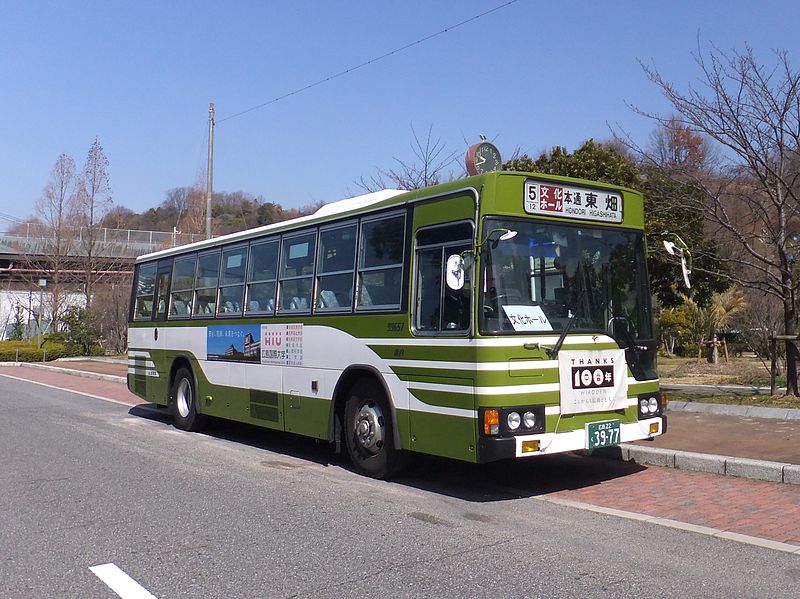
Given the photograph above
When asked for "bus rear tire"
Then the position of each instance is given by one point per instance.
(368, 432)
(184, 402)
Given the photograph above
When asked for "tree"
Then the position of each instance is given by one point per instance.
(751, 206)
(594, 161)
(110, 314)
(667, 214)
(724, 307)
(17, 331)
(55, 230)
(674, 326)
(431, 160)
(83, 330)
(93, 201)
(608, 163)
(758, 324)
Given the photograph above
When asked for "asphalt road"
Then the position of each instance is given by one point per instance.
(242, 512)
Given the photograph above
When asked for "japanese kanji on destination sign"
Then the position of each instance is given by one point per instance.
(569, 201)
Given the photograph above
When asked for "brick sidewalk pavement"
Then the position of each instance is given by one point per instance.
(748, 507)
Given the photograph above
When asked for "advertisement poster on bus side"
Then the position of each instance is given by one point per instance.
(282, 344)
(233, 343)
(592, 380)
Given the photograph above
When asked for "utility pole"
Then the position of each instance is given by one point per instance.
(210, 170)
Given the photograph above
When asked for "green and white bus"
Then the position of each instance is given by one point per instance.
(505, 315)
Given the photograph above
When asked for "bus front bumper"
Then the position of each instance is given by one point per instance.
(491, 449)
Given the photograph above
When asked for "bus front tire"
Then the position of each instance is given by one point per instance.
(368, 432)
(184, 402)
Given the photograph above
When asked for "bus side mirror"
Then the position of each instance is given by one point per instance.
(682, 252)
(456, 271)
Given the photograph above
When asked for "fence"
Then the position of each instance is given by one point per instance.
(33, 238)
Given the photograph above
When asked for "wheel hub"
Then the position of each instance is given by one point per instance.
(183, 398)
(369, 428)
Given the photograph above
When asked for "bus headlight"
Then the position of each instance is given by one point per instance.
(649, 406)
(513, 420)
(529, 419)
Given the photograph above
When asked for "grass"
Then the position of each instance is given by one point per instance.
(766, 401)
(747, 370)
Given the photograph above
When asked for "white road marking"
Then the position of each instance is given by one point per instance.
(119, 582)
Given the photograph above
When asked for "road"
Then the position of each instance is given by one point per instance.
(242, 512)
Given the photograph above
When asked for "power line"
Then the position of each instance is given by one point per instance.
(11, 218)
(369, 62)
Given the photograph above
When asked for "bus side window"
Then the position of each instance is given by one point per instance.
(162, 295)
(231, 284)
(182, 282)
(438, 307)
(380, 267)
(145, 288)
(262, 275)
(297, 272)
(205, 285)
(336, 259)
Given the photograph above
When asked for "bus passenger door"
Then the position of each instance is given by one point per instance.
(442, 402)
(158, 379)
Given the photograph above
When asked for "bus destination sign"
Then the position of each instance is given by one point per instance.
(569, 201)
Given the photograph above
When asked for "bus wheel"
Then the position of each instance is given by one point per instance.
(369, 436)
(184, 402)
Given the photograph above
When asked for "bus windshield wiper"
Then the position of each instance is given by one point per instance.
(627, 337)
(553, 351)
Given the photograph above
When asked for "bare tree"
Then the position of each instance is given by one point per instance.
(761, 321)
(111, 312)
(431, 160)
(677, 148)
(52, 258)
(751, 205)
(93, 201)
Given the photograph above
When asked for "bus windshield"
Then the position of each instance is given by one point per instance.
(538, 277)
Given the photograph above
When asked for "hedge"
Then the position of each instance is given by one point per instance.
(24, 351)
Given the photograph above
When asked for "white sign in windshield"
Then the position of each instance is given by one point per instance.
(569, 201)
(527, 318)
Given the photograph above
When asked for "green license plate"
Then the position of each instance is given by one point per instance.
(602, 434)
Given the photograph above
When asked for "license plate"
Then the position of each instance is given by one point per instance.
(602, 434)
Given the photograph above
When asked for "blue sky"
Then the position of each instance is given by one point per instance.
(139, 75)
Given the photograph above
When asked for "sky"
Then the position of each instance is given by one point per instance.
(139, 76)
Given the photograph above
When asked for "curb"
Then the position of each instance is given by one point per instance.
(730, 389)
(735, 410)
(777, 472)
(104, 359)
(89, 375)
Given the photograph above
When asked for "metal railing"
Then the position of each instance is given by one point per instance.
(33, 238)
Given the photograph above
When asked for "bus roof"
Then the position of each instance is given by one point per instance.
(328, 210)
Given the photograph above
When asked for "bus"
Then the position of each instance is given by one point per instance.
(502, 316)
